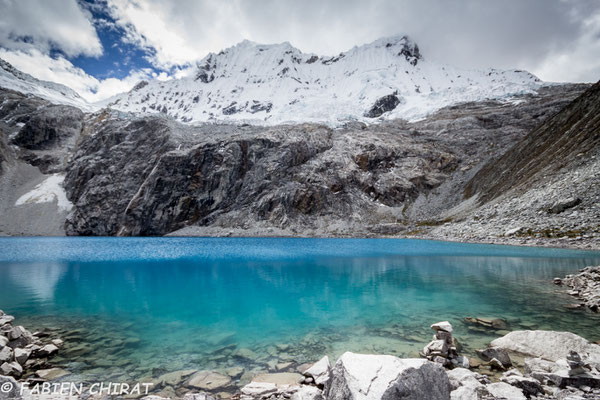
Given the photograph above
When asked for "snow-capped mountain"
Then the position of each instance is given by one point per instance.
(270, 84)
(12, 78)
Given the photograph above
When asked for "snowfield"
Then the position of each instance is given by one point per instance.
(47, 192)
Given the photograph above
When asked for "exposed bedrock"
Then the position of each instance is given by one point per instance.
(151, 175)
(147, 177)
(128, 174)
(48, 127)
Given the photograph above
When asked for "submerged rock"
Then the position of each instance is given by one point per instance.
(491, 323)
(51, 374)
(279, 378)
(175, 378)
(209, 380)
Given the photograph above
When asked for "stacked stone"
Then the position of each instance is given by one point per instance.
(575, 364)
(442, 349)
(21, 351)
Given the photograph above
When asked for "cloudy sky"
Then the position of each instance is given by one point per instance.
(100, 48)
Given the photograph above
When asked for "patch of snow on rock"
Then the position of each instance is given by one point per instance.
(46, 192)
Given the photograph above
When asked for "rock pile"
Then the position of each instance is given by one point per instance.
(443, 348)
(585, 286)
(23, 354)
(356, 376)
(559, 362)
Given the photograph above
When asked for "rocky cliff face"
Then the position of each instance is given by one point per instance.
(557, 143)
(126, 174)
(544, 188)
(151, 176)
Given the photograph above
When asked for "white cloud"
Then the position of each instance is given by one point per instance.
(42, 25)
(61, 70)
(579, 62)
(520, 34)
(151, 25)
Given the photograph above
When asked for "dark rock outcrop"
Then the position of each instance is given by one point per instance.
(108, 168)
(383, 105)
(152, 176)
(49, 127)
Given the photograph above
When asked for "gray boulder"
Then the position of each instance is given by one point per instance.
(11, 369)
(308, 393)
(529, 386)
(371, 377)
(495, 352)
(502, 390)
(6, 319)
(12, 390)
(21, 355)
(46, 351)
(564, 204)
(549, 345)
(6, 354)
(467, 385)
(320, 372)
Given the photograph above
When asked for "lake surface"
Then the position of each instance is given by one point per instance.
(135, 307)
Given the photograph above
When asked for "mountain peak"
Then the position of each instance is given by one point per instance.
(270, 84)
(12, 78)
(277, 83)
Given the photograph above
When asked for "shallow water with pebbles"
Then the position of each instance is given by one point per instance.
(135, 309)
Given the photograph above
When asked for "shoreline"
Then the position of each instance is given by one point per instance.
(587, 244)
(516, 364)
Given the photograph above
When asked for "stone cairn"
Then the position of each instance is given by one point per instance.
(443, 348)
(22, 353)
(576, 364)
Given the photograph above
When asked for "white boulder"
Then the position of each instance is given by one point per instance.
(374, 377)
(503, 390)
(308, 393)
(442, 326)
(320, 371)
(259, 389)
(549, 345)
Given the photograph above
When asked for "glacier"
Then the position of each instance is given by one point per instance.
(259, 84)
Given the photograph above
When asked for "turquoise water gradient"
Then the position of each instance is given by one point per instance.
(183, 299)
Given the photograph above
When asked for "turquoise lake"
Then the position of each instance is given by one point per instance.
(135, 307)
